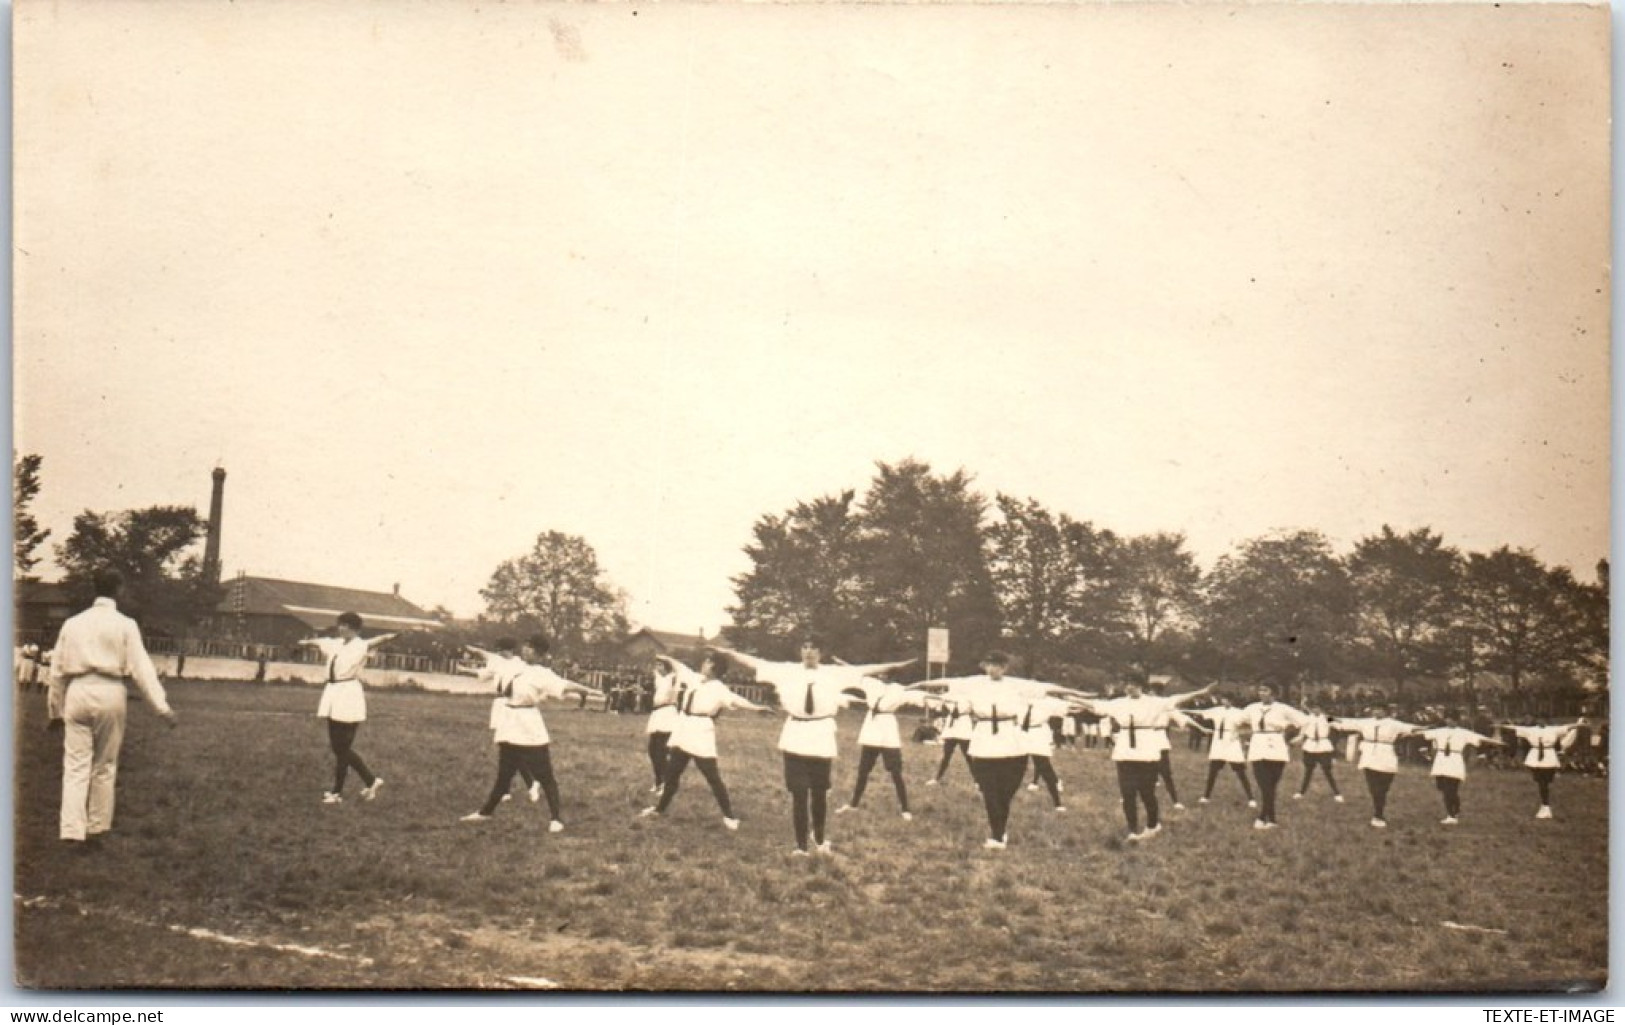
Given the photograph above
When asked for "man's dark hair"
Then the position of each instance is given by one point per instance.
(507, 645)
(539, 644)
(107, 583)
(351, 620)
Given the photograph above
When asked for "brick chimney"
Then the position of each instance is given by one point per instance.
(211, 549)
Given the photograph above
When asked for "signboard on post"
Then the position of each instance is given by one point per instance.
(936, 646)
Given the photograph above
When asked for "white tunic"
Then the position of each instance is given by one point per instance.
(880, 721)
(995, 714)
(521, 723)
(1227, 746)
(663, 716)
(1317, 735)
(1449, 746)
(1139, 726)
(1377, 738)
(1040, 739)
(696, 729)
(1269, 723)
(342, 698)
(808, 734)
(1545, 742)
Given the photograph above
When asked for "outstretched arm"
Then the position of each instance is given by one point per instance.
(1180, 699)
(373, 642)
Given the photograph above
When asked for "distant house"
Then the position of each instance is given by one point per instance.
(646, 643)
(266, 611)
(40, 609)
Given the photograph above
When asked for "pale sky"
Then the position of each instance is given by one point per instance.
(429, 279)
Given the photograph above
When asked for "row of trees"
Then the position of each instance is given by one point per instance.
(1080, 602)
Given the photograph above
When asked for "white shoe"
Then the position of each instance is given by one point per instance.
(1297, 797)
(930, 782)
(1060, 809)
(645, 813)
(1032, 786)
(331, 798)
(1152, 831)
(1201, 800)
(475, 816)
(535, 792)
(991, 844)
(1545, 812)
(1448, 820)
(843, 809)
(555, 826)
(908, 816)
(732, 824)
(797, 852)
(370, 792)
(1134, 838)
(1178, 806)
(1260, 824)
(506, 798)
(1338, 798)
(1378, 824)
(825, 848)
(1251, 803)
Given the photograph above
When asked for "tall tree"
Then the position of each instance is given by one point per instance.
(803, 576)
(1524, 618)
(558, 586)
(924, 563)
(1160, 587)
(26, 533)
(1407, 590)
(165, 586)
(1052, 578)
(1279, 610)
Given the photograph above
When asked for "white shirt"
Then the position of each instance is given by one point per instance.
(1227, 746)
(880, 721)
(1139, 726)
(345, 658)
(1450, 743)
(498, 672)
(1377, 738)
(522, 724)
(696, 728)
(994, 708)
(101, 643)
(663, 716)
(1040, 739)
(1269, 724)
(1544, 744)
(809, 734)
(1317, 735)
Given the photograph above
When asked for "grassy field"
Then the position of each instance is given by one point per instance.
(220, 827)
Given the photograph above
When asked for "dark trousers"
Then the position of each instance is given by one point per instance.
(1450, 790)
(658, 752)
(949, 746)
(889, 757)
(538, 761)
(1268, 775)
(807, 779)
(1543, 781)
(1239, 768)
(676, 761)
(1312, 760)
(999, 779)
(1044, 769)
(1137, 783)
(341, 737)
(1165, 771)
(1378, 783)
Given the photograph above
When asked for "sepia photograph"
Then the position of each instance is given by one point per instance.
(914, 498)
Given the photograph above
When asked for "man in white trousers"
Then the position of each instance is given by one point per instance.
(96, 652)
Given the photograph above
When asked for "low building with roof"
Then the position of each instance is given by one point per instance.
(263, 610)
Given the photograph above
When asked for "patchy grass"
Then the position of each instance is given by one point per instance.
(220, 827)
